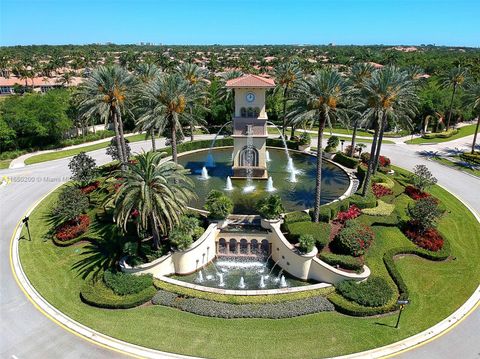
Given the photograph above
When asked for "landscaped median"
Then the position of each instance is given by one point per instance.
(445, 136)
(436, 287)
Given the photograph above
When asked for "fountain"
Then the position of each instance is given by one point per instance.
(241, 285)
(210, 162)
(221, 282)
(270, 187)
(229, 186)
(209, 276)
(267, 156)
(293, 177)
(283, 282)
(262, 282)
(290, 167)
(199, 278)
(205, 175)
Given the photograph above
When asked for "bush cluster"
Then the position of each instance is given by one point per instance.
(353, 239)
(123, 283)
(344, 160)
(278, 142)
(287, 309)
(380, 190)
(444, 134)
(351, 213)
(330, 211)
(72, 229)
(415, 193)
(187, 231)
(306, 243)
(270, 207)
(332, 144)
(367, 201)
(319, 231)
(89, 188)
(343, 261)
(297, 216)
(471, 157)
(429, 239)
(71, 203)
(218, 204)
(382, 210)
(374, 292)
(425, 213)
(345, 306)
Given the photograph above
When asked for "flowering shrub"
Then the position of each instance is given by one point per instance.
(73, 229)
(380, 191)
(354, 239)
(415, 193)
(384, 161)
(351, 213)
(429, 239)
(90, 187)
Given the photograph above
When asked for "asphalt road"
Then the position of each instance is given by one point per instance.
(26, 333)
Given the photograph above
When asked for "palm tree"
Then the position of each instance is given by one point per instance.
(164, 104)
(388, 95)
(454, 79)
(157, 191)
(195, 76)
(472, 98)
(106, 93)
(359, 74)
(319, 99)
(287, 76)
(226, 94)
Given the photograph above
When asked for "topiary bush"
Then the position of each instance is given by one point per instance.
(353, 239)
(306, 243)
(219, 205)
(123, 283)
(270, 207)
(297, 216)
(345, 160)
(374, 292)
(319, 231)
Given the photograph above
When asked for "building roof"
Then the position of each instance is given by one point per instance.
(251, 81)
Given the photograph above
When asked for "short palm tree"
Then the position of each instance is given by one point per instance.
(157, 192)
(106, 93)
(318, 99)
(195, 76)
(454, 79)
(287, 75)
(388, 95)
(472, 99)
(164, 104)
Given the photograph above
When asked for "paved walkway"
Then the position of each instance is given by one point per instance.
(26, 333)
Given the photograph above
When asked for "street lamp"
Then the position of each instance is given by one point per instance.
(25, 222)
(342, 142)
(401, 304)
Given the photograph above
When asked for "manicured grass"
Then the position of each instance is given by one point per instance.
(4, 164)
(75, 151)
(437, 290)
(462, 132)
(456, 166)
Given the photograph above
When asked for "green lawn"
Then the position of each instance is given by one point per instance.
(4, 164)
(462, 132)
(72, 152)
(437, 289)
(456, 166)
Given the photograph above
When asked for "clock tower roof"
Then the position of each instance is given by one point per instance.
(250, 81)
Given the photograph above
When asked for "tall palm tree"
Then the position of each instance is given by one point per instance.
(388, 95)
(359, 74)
(319, 99)
(195, 76)
(472, 98)
(107, 93)
(287, 75)
(164, 104)
(158, 191)
(454, 79)
(226, 94)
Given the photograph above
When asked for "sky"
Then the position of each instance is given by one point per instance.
(342, 22)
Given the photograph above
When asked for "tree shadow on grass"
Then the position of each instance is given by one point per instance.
(385, 325)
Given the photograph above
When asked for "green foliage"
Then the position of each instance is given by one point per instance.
(278, 142)
(306, 243)
(122, 283)
(374, 292)
(304, 139)
(270, 207)
(99, 295)
(443, 134)
(425, 212)
(345, 306)
(471, 157)
(345, 160)
(71, 203)
(319, 231)
(353, 239)
(183, 235)
(422, 178)
(83, 168)
(343, 261)
(367, 201)
(112, 149)
(218, 204)
(297, 216)
(383, 209)
(180, 239)
(332, 144)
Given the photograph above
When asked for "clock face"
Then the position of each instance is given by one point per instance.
(250, 97)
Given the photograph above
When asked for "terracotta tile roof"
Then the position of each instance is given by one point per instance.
(251, 81)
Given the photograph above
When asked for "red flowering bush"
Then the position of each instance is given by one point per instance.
(351, 213)
(384, 161)
(415, 193)
(380, 191)
(354, 239)
(73, 229)
(90, 187)
(429, 239)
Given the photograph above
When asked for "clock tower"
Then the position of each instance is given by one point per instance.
(249, 126)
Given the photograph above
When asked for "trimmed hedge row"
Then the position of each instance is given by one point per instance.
(345, 160)
(471, 157)
(210, 308)
(343, 261)
(444, 134)
(369, 201)
(97, 294)
(297, 216)
(348, 307)
(319, 231)
(69, 242)
(330, 211)
(278, 142)
(374, 292)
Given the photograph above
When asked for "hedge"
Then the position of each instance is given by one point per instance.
(241, 299)
(343, 261)
(99, 295)
(345, 160)
(471, 157)
(278, 142)
(392, 220)
(382, 209)
(444, 134)
(123, 283)
(320, 232)
(69, 242)
(374, 292)
(348, 307)
(287, 309)
(329, 211)
(369, 201)
(297, 216)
